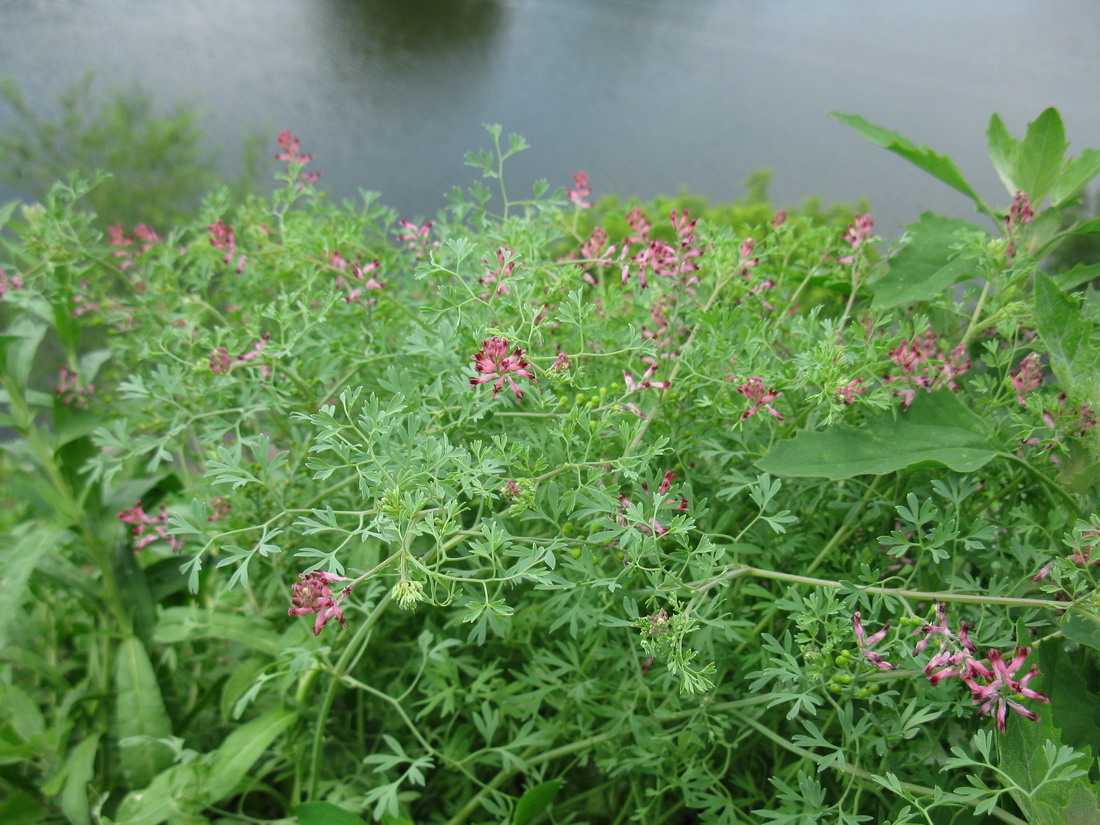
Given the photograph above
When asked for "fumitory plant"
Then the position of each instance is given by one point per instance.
(520, 513)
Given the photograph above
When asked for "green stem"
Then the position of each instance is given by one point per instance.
(859, 773)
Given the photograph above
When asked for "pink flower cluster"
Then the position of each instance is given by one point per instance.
(923, 367)
(1062, 422)
(745, 251)
(312, 595)
(859, 232)
(222, 237)
(760, 396)
(493, 361)
(578, 195)
(292, 153)
(416, 237)
(221, 362)
(148, 529)
(992, 683)
(1028, 377)
(363, 274)
(69, 391)
(657, 256)
(143, 236)
(9, 283)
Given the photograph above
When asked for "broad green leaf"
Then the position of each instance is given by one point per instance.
(16, 566)
(1074, 709)
(937, 429)
(325, 813)
(1076, 175)
(171, 794)
(79, 772)
(1022, 757)
(184, 624)
(21, 809)
(1082, 626)
(1080, 274)
(1073, 357)
(1004, 150)
(926, 266)
(241, 749)
(535, 801)
(1040, 160)
(139, 712)
(939, 166)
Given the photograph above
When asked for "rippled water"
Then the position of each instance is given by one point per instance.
(645, 95)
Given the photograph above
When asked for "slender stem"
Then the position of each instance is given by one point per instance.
(859, 773)
(963, 598)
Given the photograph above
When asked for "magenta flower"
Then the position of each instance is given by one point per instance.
(846, 394)
(148, 529)
(761, 396)
(9, 283)
(416, 237)
(1000, 688)
(859, 232)
(69, 390)
(222, 237)
(578, 195)
(1020, 213)
(646, 382)
(866, 642)
(1028, 377)
(291, 149)
(494, 361)
(313, 595)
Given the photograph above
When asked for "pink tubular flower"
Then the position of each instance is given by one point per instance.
(846, 393)
(9, 283)
(998, 688)
(1028, 377)
(645, 383)
(578, 195)
(561, 363)
(222, 237)
(859, 232)
(142, 520)
(416, 237)
(1020, 213)
(866, 642)
(761, 396)
(313, 595)
(291, 149)
(69, 391)
(494, 361)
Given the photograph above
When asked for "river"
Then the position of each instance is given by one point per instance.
(646, 96)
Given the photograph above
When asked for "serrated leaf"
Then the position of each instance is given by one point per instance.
(937, 429)
(1076, 175)
(1073, 357)
(926, 266)
(1039, 163)
(939, 166)
(1004, 150)
(139, 712)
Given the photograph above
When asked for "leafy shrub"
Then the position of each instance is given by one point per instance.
(662, 522)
